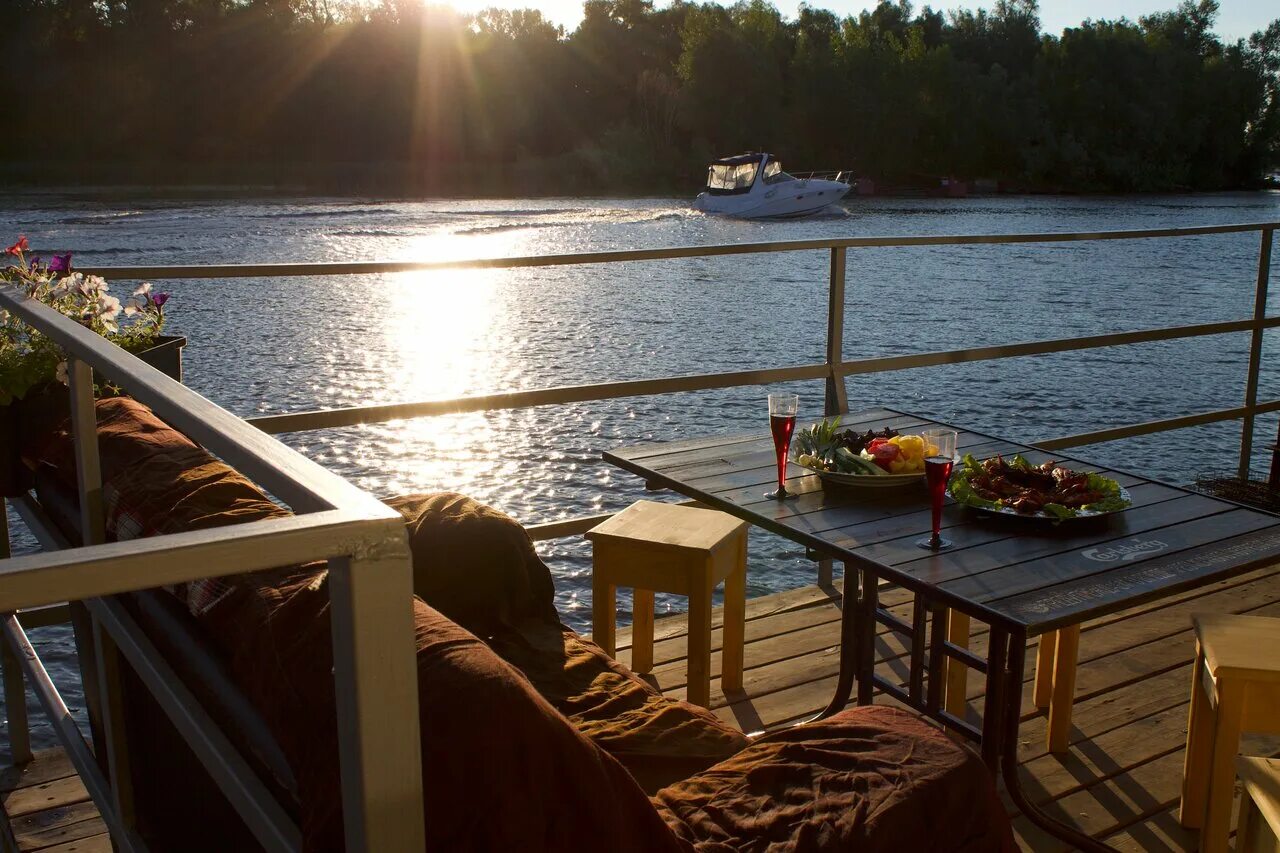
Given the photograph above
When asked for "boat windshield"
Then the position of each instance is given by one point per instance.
(773, 173)
(729, 179)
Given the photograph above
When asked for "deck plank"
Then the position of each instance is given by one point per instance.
(44, 807)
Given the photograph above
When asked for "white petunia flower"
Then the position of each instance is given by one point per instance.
(61, 373)
(143, 289)
(108, 307)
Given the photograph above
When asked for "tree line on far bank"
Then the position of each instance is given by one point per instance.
(397, 95)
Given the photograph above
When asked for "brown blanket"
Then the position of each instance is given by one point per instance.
(870, 778)
(502, 768)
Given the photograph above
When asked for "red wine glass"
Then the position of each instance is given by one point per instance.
(782, 423)
(939, 457)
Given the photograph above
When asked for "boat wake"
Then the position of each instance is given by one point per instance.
(569, 218)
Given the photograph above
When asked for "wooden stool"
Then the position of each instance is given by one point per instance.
(1235, 687)
(683, 550)
(1258, 828)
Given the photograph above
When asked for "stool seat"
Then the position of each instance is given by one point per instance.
(659, 547)
(669, 527)
(1243, 647)
(1235, 688)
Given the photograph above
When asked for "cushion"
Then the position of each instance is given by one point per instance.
(155, 480)
(502, 769)
(657, 738)
(478, 567)
(869, 779)
(473, 563)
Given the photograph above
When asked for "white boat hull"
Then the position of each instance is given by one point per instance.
(786, 200)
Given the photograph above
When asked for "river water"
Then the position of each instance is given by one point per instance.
(277, 345)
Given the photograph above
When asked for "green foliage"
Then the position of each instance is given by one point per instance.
(29, 360)
(425, 99)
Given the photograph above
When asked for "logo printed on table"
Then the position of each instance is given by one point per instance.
(1124, 551)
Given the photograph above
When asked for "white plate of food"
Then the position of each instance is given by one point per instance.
(1050, 491)
(871, 459)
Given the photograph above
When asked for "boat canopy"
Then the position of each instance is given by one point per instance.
(732, 175)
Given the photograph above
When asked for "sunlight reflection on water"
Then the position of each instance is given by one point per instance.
(259, 346)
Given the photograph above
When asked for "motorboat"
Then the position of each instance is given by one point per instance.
(754, 186)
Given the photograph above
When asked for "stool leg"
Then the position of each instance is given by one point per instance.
(957, 672)
(699, 678)
(642, 630)
(1064, 688)
(604, 612)
(1222, 767)
(1043, 694)
(1195, 768)
(735, 622)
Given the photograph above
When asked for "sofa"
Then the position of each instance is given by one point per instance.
(532, 738)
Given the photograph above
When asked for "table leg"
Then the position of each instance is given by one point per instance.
(642, 630)
(849, 607)
(993, 704)
(1006, 748)
(866, 645)
(735, 622)
(604, 613)
(957, 672)
(1043, 695)
(915, 680)
(1064, 688)
(698, 690)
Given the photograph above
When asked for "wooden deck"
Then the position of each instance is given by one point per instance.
(1120, 781)
(46, 808)
(1122, 777)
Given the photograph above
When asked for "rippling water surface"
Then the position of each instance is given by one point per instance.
(278, 345)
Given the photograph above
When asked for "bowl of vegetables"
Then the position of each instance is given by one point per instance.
(876, 458)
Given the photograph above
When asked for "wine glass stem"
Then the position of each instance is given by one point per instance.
(782, 471)
(937, 517)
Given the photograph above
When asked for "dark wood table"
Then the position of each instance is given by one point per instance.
(1022, 577)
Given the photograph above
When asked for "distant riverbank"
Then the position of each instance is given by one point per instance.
(106, 183)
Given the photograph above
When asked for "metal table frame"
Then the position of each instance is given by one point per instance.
(1004, 668)
(1005, 661)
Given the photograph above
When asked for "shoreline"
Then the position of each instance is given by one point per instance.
(244, 191)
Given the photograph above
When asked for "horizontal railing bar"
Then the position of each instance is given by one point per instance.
(328, 418)
(43, 617)
(933, 359)
(194, 271)
(351, 416)
(1149, 427)
(300, 482)
(78, 750)
(40, 525)
(34, 580)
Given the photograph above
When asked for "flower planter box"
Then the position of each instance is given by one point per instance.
(166, 355)
(45, 407)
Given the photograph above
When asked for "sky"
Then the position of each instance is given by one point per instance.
(1236, 18)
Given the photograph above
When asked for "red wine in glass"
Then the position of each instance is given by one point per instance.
(937, 471)
(782, 423)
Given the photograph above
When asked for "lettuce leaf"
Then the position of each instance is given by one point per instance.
(962, 492)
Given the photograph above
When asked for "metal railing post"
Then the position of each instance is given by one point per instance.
(15, 689)
(376, 685)
(15, 703)
(837, 399)
(100, 655)
(1255, 351)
